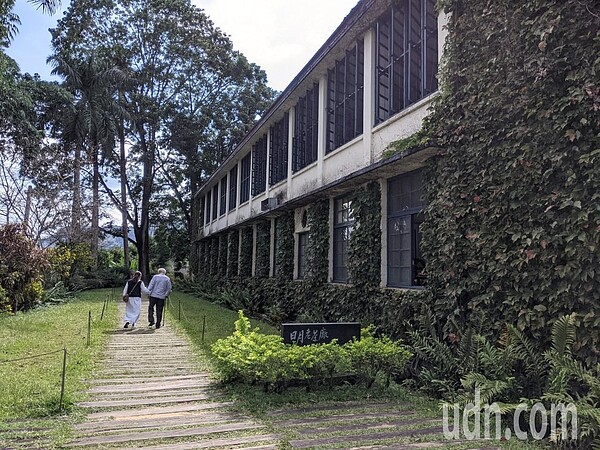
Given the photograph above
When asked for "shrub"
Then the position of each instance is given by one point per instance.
(21, 266)
(251, 357)
(373, 355)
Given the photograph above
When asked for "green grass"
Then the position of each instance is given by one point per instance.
(30, 388)
(219, 320)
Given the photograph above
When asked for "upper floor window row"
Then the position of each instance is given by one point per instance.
(345, 95)
(406, 56)
(259, 166)
(306, 127)
(278, 153)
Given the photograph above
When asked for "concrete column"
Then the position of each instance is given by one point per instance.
(254, 233)
(292, 119)
(322, 128)
(383, 227)
(369, 97)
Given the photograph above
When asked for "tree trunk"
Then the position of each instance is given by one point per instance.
(124, 224)
(143, 241)
(75, 235)
(95, 205)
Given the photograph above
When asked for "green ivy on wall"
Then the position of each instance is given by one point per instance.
(222, 255)
(364, 253)
(284, 253)
(512, 230)
(246, 252)
(263, 249)
(317, 248)
(232, 253)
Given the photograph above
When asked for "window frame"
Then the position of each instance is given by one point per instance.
(245, 178)
(278, 154)
(233, 182)
(259, 166)
(345, 98)
(344, 227)
(414, 215)
(301, 255)
(223, 196)
(405, 36)
(215, 205)
(305, 142)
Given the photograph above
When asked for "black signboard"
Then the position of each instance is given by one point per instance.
(319, 333)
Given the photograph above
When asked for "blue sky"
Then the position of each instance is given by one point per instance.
(278, 35)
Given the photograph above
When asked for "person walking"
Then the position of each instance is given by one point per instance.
(159, 288)
(132, 296)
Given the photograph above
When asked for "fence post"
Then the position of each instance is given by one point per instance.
(89, 333)
(104, 307)
(64, 375)
(203, 326)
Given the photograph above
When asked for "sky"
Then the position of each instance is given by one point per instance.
(278, 35)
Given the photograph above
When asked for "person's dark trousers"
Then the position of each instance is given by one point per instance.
(160, 304)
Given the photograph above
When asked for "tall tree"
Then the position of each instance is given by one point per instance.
(93, 120)
(170, 50)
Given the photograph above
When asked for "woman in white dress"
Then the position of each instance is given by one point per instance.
(134, 289)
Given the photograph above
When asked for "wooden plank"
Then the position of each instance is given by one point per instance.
(163, 434)
(213, 443)
(157, 394)
(306, 443)
(332, 407)
(142, 401)
(382, 425)
(106, 381)
(153, 385)
(158, 410)
(379, 415)
(173, 421)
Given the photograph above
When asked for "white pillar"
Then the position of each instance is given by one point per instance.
(322, 128)
(369, 97)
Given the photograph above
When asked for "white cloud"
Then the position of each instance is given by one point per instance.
(278, 35)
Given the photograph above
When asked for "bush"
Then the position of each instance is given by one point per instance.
(21, 266)
(372, 355)
(249, 356)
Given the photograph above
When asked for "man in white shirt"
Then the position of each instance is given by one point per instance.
(159, 289)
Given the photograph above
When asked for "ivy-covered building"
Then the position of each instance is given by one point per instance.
(326, 137)
(390, 185)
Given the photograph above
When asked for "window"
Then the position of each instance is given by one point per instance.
(343, 223)
(406, 266)
(259, 166)
(306, 124)
(223, 205)
(207, 205)
(345, 98)
(233, 182)
(278, 156)
(215, 205)
(245, 182)
(302, 243)
(406, 56)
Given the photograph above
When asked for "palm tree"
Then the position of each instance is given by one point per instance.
(92, 123)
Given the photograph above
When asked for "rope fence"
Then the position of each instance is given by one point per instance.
(108, 299)
(181, 312)
(63, 373)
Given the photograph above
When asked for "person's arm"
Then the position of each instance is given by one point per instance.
(125, 292)
(151, 286)
(144, 289)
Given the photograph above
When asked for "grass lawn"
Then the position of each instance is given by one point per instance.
(30, 388)
(186, 313)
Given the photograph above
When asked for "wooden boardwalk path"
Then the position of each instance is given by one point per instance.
(151, 394)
